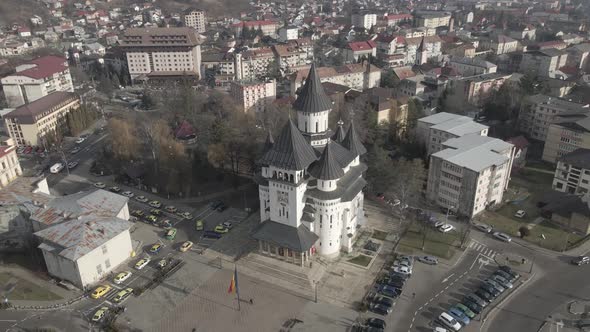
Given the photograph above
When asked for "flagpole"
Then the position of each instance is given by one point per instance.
(237, 288)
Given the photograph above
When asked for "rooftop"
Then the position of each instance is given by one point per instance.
(42, 67)
(325, 72)
(563, 104)
(578, 158)
(473, 62)
(27, 113)
(474, 152)
(167, 37)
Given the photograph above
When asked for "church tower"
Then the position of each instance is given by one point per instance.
(313, 109)
(421, 54)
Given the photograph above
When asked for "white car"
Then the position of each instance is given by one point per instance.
(142, 199)
(520, 214)
(121, 277)
(127, 194)
(100, 185)
(446, 228)
(439, 223)
(72, 164)
(142, 263)
(75, 150)
(228, 225)
(80, 140)
(448, 321)
(155, 204)
(502, 237)
(402, 270)
(484, 228)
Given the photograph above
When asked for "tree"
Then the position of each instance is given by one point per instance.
(529, 84)
(524, 232)
(409, 177)
(125, 143)
(388, 79)
(147, 100)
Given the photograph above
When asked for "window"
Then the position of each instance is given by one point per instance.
(107, 263)
(104, 249)
(99, 269)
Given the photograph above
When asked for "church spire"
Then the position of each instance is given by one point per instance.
(340, 133)
(326, 168)
(312, 98)
(352, 142)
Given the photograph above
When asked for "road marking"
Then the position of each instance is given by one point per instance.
(8, 320)
(447, 278)
(471, 244)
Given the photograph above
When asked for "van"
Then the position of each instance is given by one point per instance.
(56, 168)
(212, 235)
(448, 321)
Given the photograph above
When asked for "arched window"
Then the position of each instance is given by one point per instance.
(316, 127)
(291, 178)
(306, 125)
(274, 174)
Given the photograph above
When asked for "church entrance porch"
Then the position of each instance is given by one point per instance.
(285, 254)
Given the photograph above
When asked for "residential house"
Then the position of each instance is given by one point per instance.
(475, 90)
(398, 19)
(10, 165)
(500, 44)
(268, 28)
(433, 19)
(567, 133)
(253, 96)
(289, 32)
(472, 66)
(572, 174)
(359, 50)
(545, 63)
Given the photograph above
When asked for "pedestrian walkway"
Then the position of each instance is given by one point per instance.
(482, 249)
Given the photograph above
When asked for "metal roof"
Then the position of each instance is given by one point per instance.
(298, 239)
(339, 134)
(352, 142)
(578, 158)
(291, 151)
(326, 168)
(313, 98)
(474, 152)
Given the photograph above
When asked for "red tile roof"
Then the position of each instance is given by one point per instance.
(254, 23)
(362, 45)
(394, 17)
(45, 66)
(4, 150)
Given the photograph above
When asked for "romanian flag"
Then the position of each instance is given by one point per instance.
(233, 285)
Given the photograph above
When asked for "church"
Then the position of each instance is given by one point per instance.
(311, 183)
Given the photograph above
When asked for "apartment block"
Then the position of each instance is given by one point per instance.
(30, 123)
(364, 20)
(540, 111)
(544, 63)
(470, 174)
(433, 19)
(195, 18)
(566, 134)
(253, 96)
(162, 53)
(476, 89)
(357, 76)
(37, 79)
(572, 174)
(472, 66)
(434, 130)
(9, 165)
(268, 28)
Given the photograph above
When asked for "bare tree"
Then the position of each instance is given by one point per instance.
(125, 144)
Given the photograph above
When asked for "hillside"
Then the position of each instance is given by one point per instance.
(19, 11)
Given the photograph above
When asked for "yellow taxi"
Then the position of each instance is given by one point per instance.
(100, 291)
(122, 295)
(186, 246)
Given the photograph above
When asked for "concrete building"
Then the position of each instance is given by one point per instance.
(470, 174)
(162, 53)
(397, 19)
(432, 19)
(29, 123)
(572, 174)
(195, 18)
(544, 63)
(9, 165)
(540, 111)
(472, 66)
(37, 79)
(288, 33)
(253, 63)
(253, 96)
(359, 50)
(268, 28)
(475, 90)
(310, 185)
(434, 130)
(356, 76)
(290, 58)
(364, 20)
(500, 44)
(566, 134)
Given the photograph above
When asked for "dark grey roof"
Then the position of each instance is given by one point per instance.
(291, 151)
(347, 186)
(342, 155)
(326, 168)
(578, 158)
(312, 98)
(352, 142)
(269, 142)
(340, 133)
(298, 239)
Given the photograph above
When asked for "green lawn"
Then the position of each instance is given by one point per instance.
(24, 290)
(438, 244)
(379, 235)
(361, 260)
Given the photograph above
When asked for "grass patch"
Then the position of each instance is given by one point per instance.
(24, 290)
(379, 235)
(361, 260)
(439, 244)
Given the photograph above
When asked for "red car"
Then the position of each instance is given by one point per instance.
(40, 149)
(28, 149)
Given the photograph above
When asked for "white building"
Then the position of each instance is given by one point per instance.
(572, 174)
(356, 76)
(540, 111)
(472, 66)
(195, 18)
(253, 95)
(288, 33)
(432, 19)
(470, 174)
(434, 130)
(360, 49)
(364, 20)
(310, 185)
(566, 134)
(546, 63)
(162, 53)
(9, 165)
(37, 79)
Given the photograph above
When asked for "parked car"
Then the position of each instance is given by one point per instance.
(100, 185)
(141, 199)
(372, 246)
(100, 313)
(460, 316)
(186, 215)
(502, 237)
(211, 235)
(508, 277)
(389, 291)
(215, 204)
(446, 228)
(186, 246)
(171, 209)
(156, 248)
(430, 260)
(487, 288)
(122, 295)
(171, 234)
(376, 322)
(162, 263)
(478, 300)
(199, 225)
(227, 225)
(151, 219)
(391, 282)
(476, 308)
(155, 204)
(80, 140)
(115, 189)
(221, 229)
(403, 270)
(142, 263)
(72, 164)
(221, 208)
(495, 284)
(100, 291)
(379, 309)
(581, 260)
(156, 212)
(438, 223)
(137, 213)
(520, 214)
(484, 228)
(448, 321)
(483, 294)
(508, 270)
(502, 281)
(465, 310)
(56, 168)
(386, 301)
(128, 194)
(121, 277)
(75, 150)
